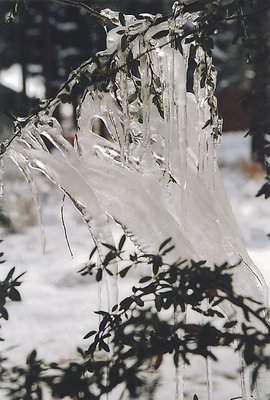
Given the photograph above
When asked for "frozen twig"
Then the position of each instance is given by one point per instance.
(88, 9)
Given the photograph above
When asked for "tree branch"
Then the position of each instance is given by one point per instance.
(88, 9)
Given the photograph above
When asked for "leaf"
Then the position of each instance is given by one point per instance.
(219, 314)
(92, 252)
(217, 302)
(80, 351)
(122, 19)
(265, 190)
(124, 43)
(163, 244)
(109, 246)
(89, 334)
(145, 279)
(168, 250)
(122, 242)
(31, 357)
(101, 312)
(157, 263)
(105, 346)
(115, 308)
(124, 271)
(109, 257)
(161, 34)
(4, 313)
(230, 324)
(9, 275)
(158, 303)
(139, 301)
(99, 275)
(14, 295)
(109, 272)
(208, 122)
(3, 148)
(210, 42)
(126, 303)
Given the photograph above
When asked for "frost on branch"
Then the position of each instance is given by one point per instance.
(158, 177)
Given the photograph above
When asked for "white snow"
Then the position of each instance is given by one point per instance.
(12, 78)
(242, 180)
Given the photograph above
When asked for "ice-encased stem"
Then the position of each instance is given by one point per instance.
(208, 361)
(244, 377)
(209, 377)
(2, 171)
(180, 368)
(145, 93)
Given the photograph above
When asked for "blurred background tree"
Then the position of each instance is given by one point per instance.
(47, 39)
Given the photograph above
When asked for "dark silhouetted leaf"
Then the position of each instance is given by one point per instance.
(89, 334)
(122, 242)
(163, 244)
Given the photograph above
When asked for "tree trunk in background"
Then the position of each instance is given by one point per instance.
(22, 40)
(260, 123)
(47, 59)
(47, 41)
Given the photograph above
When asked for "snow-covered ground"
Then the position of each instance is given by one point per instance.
(243, 179)
(57, 303)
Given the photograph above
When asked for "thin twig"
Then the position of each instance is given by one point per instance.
(64, 226)
(88, 9)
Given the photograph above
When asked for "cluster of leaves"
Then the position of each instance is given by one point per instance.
(8, 292)
(134, 338)
(8, 289)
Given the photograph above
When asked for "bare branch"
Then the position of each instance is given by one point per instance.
(88, 9)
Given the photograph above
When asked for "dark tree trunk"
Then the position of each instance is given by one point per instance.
(22, 40)
(47, 42)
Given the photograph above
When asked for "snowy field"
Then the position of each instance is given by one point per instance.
(57, 303)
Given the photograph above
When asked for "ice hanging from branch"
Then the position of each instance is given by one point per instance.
(158, 175)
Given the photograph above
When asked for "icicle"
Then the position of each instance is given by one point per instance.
(111, 283)
(145, 87)
(208, 361)
(180, 368)
(2, 170)
(124, 94)
(209, 376)
(17, 158)
(245, 379)
(64, 226)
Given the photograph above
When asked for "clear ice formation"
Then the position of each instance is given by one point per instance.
(158, 175)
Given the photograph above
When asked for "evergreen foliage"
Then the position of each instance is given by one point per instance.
(135, 337)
